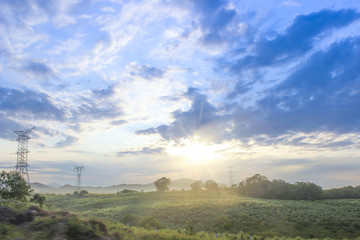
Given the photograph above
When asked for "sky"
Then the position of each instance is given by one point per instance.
(138, 90)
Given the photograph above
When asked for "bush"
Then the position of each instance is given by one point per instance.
(83, 192)
(38, 198)
(128, 191)
(150, 223)
(132, 220)
(80, 230)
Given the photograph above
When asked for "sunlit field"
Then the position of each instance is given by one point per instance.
(216, 212)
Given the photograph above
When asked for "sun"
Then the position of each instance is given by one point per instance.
(194, 151)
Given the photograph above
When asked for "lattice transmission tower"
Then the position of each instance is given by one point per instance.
(22, 153)
(79, 170)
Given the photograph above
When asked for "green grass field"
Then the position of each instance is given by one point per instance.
(205, 211)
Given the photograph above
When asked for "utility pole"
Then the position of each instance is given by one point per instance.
(79, 170)
(22, 153)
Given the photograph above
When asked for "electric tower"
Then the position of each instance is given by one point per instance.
(79, 170)
(22, 153)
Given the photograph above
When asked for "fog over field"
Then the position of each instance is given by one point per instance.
(139, 90)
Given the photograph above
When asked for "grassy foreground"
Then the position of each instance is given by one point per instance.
(222, 213)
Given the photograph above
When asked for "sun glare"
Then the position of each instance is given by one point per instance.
(194, 151)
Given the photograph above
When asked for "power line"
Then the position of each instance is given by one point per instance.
(22, 153)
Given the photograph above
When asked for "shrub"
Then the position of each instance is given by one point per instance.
(83, 192)
(80, 230)
(38, 198)
(150, 222)
(130, 219)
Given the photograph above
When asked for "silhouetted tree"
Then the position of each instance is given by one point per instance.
(196, 186)
(255, 186)
(162, 184)
(211, 185)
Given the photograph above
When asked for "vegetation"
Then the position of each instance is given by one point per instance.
(13, 186)
(259, 186)
(206, 212)
(162, 184)
(64, 225)
(211, 185)
(221, 212)
(196, 186)
(38, 198)
(342, 193)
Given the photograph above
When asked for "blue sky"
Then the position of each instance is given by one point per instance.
(137, 90)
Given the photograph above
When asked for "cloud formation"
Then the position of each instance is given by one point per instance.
(140, 151)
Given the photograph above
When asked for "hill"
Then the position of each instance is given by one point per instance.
(179, 184)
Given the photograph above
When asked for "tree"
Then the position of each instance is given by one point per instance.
(211, 185)
(83, 193)
(13, 186)
(162, 184)
(38, 198)
(196, 186)
(255, 186)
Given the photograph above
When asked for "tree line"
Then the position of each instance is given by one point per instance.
(260, 186)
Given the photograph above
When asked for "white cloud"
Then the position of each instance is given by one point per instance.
(69, 45)
(108, 9)
(291, 4)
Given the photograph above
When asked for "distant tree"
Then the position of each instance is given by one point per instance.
(128, 191)
(83, 192)
(38, 198)
(13, 186)
(211, 185)
(307, 191)
(259, 186)
(256, 186)
(342, 193)
(162, 184)
(196, 186)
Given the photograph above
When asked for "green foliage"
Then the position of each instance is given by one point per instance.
(130, 220)
(38, 198)
(13, 186)
(337, 219)
(150, 222)
(196, 186)
(222, 224)
(162, 184)
(78, 229)
(347, 192)
(128, 191)
(83, 193)
(259, 186)
(211, 185)
(189, 228)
